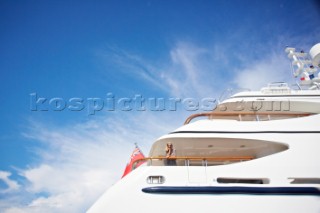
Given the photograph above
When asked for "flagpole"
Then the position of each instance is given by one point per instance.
(137, 147)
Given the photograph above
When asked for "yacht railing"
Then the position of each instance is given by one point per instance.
(201, 161)
(239, 115)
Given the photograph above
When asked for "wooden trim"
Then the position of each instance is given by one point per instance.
(232, 158)
(203, 158)
(212, 114)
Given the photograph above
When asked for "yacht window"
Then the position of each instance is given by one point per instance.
(157, 179)
(213, 151)
(305, 180)
(244, 180)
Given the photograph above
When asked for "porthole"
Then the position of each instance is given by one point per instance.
(155, 179)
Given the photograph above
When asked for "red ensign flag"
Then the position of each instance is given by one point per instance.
(134, 161)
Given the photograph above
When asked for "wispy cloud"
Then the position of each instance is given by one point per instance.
(11, 185)
(187, 73)
(77, 163)
(272, 68)
(205, 71)
(133, 66)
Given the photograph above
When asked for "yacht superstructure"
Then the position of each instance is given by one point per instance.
(258, 151)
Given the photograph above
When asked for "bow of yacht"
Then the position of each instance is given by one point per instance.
(258, 151)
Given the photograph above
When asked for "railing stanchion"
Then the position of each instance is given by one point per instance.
(204, 160)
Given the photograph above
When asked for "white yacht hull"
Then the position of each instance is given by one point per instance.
(279, 169)
(127, 196)
(257, 152)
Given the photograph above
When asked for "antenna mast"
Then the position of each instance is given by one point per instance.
(306, 66)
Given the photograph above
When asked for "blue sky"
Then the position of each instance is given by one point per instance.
(155, 49)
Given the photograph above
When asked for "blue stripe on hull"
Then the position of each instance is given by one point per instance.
(220, 190)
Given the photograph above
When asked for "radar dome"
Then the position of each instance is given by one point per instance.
(315, 55)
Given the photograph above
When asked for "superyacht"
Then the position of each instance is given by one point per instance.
(258, 151)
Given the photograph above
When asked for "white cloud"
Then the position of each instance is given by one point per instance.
(196, 71)
(273, 68)
(134, 66)
(15, 210)
(11, 185)
(188, 73)
(77, 163)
